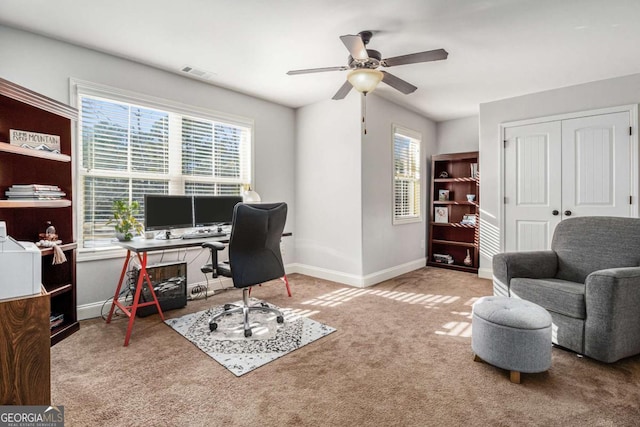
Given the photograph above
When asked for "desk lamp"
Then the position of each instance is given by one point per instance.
(250, 196)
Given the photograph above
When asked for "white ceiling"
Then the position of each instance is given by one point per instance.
(497, 48)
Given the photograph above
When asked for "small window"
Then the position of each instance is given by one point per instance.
(406, 175)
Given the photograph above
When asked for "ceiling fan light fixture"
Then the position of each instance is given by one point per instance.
(365, 80)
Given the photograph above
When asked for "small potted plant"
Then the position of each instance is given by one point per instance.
(125, 222)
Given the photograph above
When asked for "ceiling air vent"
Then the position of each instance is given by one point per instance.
(201, 74)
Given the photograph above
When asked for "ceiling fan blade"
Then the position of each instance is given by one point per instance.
(343, 91)
(356, 47)
(398, 83)
(317, 70)
(412, 58)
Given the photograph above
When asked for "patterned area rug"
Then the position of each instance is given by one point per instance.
(270, 340)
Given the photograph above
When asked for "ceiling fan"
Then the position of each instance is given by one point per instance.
(363, 63)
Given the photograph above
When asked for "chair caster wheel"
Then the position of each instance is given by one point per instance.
(247, 333)
(213, 326)
(280, 319)
(228, 307)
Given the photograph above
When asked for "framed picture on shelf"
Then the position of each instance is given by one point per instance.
(468, 219)
(443, 195)
(441, 214)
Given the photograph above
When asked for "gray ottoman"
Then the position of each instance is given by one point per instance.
(511, 334)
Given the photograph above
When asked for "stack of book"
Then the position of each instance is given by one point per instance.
(34, 192)
(443, 258)
(56, 320)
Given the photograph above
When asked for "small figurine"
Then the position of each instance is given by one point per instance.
(49, 239)
(444, 174)
(467, 260)
(50, 232)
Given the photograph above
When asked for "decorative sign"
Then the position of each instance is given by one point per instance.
(34, 140)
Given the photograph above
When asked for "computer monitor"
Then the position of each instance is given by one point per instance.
(164, 212)
(214, 210)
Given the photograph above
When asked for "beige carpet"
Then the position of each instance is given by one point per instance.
(401, 356)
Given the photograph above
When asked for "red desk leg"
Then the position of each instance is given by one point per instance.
(117, 294)
(286, 282)
(143, 261)
(131, 310)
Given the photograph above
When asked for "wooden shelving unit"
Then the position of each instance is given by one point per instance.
(8, 148)
(22, 109)
(12, 204)
(451, 237)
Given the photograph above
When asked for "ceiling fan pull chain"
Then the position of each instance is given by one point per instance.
(364, 113)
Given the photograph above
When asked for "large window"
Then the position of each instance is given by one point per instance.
(406, 175)
(129, 145)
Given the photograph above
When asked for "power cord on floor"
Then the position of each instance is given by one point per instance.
(127, 291)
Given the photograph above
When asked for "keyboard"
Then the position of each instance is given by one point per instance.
(203, 234)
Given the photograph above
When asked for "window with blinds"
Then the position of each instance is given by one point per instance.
(129, 149)
(406, 175)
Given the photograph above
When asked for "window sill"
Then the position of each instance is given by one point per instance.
(96, 254)
(406, 221)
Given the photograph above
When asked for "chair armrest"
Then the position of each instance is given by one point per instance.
(612, 326)
(214, 248)
(213, 245)
(533, 264)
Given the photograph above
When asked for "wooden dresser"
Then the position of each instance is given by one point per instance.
(25, 341)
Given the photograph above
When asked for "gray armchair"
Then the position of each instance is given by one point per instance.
(589, 282)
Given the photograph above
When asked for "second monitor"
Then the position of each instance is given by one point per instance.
(214, 210)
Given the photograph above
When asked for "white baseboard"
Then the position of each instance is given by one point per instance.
(326, 274)
(390, 273)
(91, 310)
(485, 273)
(355, 280)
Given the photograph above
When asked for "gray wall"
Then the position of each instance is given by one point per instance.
(458, 136)
(328, 190)
(590, 96)
(387, 247)
(45, 66)
(344, 225)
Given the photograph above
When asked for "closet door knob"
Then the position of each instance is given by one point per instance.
(567, 213)
(555, 212)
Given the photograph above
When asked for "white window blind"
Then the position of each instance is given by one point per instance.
(406, 175)
(128, 149)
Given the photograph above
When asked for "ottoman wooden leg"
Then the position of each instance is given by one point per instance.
(476, 358)
(514, 376)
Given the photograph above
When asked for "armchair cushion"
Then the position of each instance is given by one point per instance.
(559, 296)
(588, 244)
(535, 265)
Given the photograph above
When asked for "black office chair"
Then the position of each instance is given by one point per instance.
(254, 256)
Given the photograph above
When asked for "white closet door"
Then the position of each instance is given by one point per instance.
(596, 166)
(532, 187)
(558, 169)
